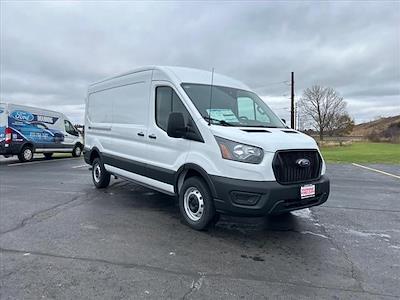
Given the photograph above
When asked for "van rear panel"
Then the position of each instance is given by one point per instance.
(3, 126)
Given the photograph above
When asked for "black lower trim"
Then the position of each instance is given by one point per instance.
(153, 172)
(55, 146)
(124, 164)
(86, 155)
(13, 148)
(161, 174)
(274, 198)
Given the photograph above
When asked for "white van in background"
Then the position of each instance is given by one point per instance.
(203, 137)
(26, 130)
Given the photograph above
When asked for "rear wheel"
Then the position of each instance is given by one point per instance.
(100, 176)
(48, 155)
(77, 151)
(196, 203)
(26, 154)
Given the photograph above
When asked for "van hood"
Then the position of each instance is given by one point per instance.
(269, 139)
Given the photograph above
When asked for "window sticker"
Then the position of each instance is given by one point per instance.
(224, 114)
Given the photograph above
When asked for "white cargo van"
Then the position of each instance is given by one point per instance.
(203, 137)
(26, 130)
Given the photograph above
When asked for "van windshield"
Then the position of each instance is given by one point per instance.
(231, 107)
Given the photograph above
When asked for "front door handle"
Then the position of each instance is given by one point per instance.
(152, 136)
(140, 134)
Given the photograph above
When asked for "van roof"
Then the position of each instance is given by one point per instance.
(186, 75)
(32, 107)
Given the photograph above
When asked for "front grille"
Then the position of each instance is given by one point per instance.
(287, 171)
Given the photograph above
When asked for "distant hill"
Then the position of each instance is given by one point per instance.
(381, 129)
(379, 125)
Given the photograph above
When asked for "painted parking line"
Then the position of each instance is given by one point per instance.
(42, 189)
(375, 170)
(39, 162)
(80, 166)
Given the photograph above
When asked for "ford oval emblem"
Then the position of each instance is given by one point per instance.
(303, 162)
(21, 115)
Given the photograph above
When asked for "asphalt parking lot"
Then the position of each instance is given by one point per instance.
(60, 238)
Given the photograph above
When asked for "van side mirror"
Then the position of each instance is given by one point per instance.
(176, 125)
(283, 120)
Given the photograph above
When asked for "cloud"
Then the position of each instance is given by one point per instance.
(51, 51)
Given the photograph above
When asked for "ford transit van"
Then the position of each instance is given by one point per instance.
(26, 130)
(205, 138)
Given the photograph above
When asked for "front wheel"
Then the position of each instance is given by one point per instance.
(77, 151)
(26, 154)
(196, 203)
(100, 176)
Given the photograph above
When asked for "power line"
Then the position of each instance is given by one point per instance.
(292, 115)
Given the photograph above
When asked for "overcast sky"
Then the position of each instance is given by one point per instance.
(51, 51)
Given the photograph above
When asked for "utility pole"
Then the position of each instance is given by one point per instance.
(292, 116)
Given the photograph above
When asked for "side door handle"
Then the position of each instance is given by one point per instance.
(100, 128)
(140, 134)
(152, 136)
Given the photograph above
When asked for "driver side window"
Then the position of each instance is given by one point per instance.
(249, 110)
(69, 128)
(168, 101)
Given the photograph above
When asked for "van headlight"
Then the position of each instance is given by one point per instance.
(239, 152)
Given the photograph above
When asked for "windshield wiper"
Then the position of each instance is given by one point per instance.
(221, 122)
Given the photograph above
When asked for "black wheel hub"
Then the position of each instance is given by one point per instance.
(193, 203)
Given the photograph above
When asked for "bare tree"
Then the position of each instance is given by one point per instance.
(322, 107)
(340, 125)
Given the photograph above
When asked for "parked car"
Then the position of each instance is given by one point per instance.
(27, 130)
(203, 137)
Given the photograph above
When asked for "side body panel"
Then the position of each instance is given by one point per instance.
(116, 116)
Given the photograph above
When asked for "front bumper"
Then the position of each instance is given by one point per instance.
(86, 155)
(258, 198)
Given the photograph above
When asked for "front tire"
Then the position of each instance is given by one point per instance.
(100, 176)
(26, 154)
(196, 203)
(77, 151)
